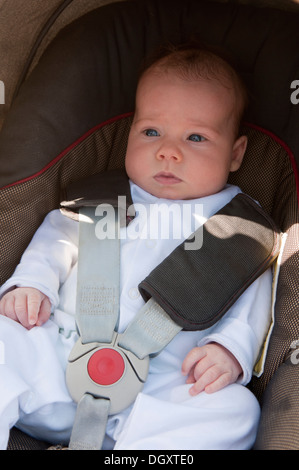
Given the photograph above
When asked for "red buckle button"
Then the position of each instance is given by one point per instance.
(106, 366)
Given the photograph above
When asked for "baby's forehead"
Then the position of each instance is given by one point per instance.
(156, 78)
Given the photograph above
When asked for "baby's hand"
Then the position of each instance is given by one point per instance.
(26, 305)
(210, 368)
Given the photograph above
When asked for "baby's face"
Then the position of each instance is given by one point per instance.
(182, 142)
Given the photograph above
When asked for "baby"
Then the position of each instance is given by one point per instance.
(183, 143)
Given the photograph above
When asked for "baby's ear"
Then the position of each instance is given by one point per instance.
(238, 152)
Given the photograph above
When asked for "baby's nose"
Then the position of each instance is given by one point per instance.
(169, 152)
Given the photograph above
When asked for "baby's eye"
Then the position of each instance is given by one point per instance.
(151, 133)
(196, 138)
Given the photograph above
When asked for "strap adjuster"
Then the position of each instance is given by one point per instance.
(106, 371)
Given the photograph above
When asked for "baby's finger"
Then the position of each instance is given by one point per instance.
(45, 312)
(33, 303)
(195, 355)
(207, 378)
(21, 309)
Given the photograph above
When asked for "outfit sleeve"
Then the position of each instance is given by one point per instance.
(47, 261)
(243, 329)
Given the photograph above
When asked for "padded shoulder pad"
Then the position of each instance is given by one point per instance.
(100, 188)
(197, 287)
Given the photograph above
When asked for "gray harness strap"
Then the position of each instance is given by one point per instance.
(97, 302)
(90, 423)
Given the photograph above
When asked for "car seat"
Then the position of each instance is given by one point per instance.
(71, 119)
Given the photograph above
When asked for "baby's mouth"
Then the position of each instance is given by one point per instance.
(164, 177)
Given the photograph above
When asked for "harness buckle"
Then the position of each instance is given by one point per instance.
(106, 371)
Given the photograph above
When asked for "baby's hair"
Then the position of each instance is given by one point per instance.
(196, 62)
